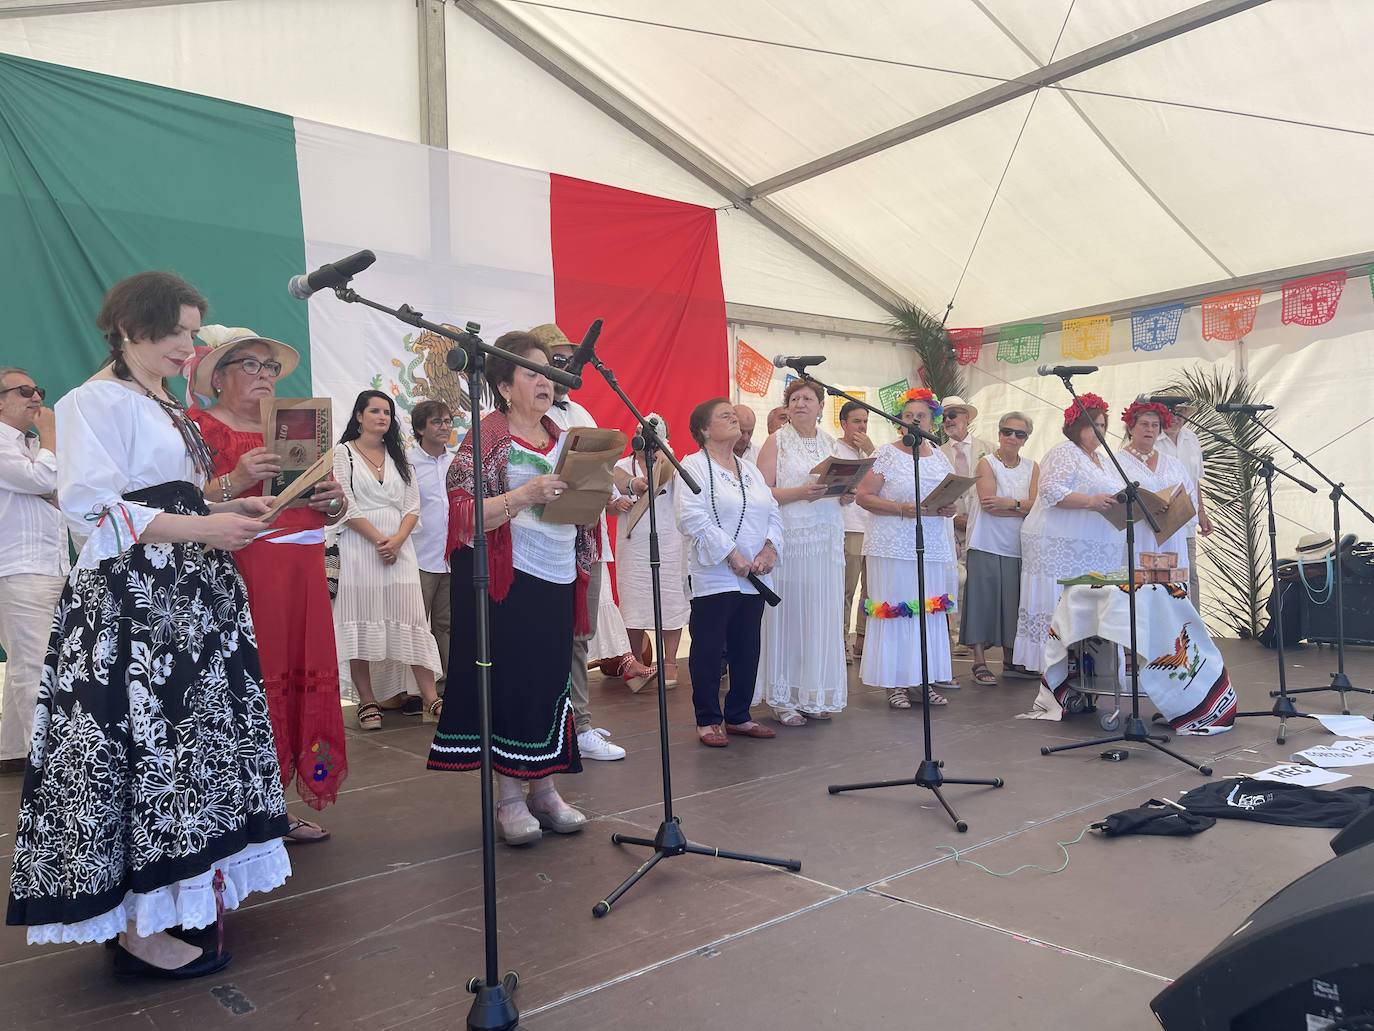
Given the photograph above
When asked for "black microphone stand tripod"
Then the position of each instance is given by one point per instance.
(493, 1009)
(1134, 727)
(1283, 709)
(929, 771)
(669, 841)
(1339, 681)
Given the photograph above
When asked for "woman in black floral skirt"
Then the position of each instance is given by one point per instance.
(152, 789)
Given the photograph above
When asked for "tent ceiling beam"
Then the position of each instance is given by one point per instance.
(1351, 263)
(429, 25)
(625, 112)
(828, 325)
(38, 9)
(1075, 64)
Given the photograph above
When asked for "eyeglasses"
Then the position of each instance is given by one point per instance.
(253, 366)
(26, 390)
(1007, 431)
(559, 361)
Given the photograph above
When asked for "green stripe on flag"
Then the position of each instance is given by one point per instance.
(101, 177)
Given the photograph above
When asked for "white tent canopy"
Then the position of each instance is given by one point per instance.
(1026, 161)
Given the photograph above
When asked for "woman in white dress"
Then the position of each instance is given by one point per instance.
(1154, 470)
(632, 559)
(801, 665)
(1006, 486)
(892, 643)
(1066, 534)
(379, 614)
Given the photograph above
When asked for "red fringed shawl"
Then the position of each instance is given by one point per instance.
(496, 442)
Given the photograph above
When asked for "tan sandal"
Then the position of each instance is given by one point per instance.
(434, 710)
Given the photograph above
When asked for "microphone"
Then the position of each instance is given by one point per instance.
(1066, 370)
(1168, 400)
(586, 350)
(326, 277)
(797, 363)
(1245, 409)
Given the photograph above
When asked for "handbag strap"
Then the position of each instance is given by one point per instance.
(1330, 579)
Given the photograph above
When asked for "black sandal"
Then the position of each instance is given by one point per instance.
(369, 716)
(984, 676)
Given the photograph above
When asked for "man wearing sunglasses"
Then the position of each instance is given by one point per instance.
(964, 452)
(34, 561)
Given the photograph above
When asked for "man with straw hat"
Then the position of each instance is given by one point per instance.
(964, 451)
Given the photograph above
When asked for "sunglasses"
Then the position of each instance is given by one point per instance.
(253, 366)
(27, 391)
(559, 361)
(1018, 434)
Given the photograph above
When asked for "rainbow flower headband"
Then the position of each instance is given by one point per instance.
(937, 410)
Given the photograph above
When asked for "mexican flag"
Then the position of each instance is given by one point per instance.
(101, 177)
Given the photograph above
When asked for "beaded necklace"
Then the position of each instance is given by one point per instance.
(196, 449)
(744, 498)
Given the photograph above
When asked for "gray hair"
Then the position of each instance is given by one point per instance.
(235, 352)
(5, 370)
(1002, 422)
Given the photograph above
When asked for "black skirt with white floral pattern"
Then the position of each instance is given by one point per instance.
(152, 755)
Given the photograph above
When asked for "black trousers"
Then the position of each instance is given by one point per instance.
(721, 624)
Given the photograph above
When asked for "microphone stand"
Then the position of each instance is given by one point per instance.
(493, 1009)
(1134, 729)
(669, 841)
(929, 771)
(1283, 709)
(1339, 681)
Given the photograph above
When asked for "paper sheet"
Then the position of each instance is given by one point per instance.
(1292, 773)
(1346, 726)
(1337, 754)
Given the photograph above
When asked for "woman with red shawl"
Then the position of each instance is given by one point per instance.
(538, 595)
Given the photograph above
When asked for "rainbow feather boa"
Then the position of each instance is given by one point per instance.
(905, 610)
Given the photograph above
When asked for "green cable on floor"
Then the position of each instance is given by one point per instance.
(958, 858)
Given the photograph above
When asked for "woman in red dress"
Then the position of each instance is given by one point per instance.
(283, 568)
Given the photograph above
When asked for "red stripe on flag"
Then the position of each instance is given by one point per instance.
(651, 268)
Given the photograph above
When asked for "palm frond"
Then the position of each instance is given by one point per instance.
(934, 351)
(1235, 559)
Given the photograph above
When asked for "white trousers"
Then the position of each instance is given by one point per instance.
(27, 604)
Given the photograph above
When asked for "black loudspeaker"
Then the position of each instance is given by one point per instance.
(1359, 831)
(1318, 622)
(1304, 959)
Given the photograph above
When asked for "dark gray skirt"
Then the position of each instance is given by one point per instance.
(991, 595)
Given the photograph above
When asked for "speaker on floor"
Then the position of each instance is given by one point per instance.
(1304, 959)
(1357, 833)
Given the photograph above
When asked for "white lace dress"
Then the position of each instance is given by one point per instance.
(1167, 475)
(892, 645)
(1062, 542)
(801, 655)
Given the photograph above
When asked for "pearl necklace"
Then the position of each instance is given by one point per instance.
(1143, 456)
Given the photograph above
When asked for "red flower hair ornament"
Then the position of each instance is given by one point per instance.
(1137, 409)
(1085, 404)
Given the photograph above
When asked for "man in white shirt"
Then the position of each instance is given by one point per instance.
(1181, 442)
(34, 561)
(432, 424)
(854, 444)
(744, 447)
(592, 742)
(776, 418)
(964, 451)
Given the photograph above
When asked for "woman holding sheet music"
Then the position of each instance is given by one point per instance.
(540, 571)
(1067, 533)
(802, 671)
(892, 642)
(1154, 470)
(283, 568)
(152, 795)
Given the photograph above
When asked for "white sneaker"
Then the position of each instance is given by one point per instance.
(596, 744)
